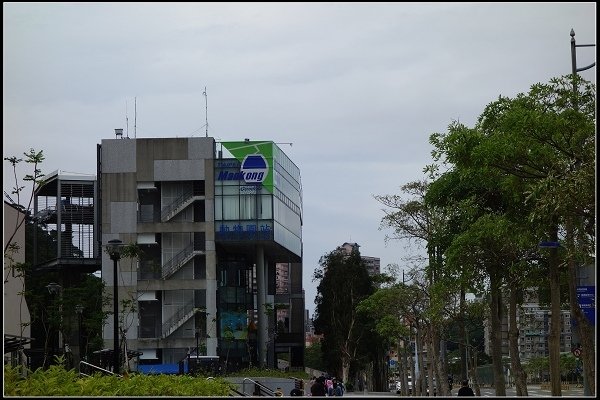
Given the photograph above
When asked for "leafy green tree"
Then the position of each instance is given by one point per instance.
(546, 139)
(313, 357)
(343, 283)
(390, 311)
(414, 219)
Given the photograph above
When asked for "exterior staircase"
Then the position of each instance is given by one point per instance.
(180, 259)
(178, 319)
(178, 205)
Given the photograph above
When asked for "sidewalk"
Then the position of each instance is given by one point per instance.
(532, 391)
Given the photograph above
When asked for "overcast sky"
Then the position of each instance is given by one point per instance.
(356, 87)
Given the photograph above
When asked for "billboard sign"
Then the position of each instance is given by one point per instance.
(256, 158)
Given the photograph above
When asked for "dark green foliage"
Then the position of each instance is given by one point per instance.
(313, 357)
(56, 381)
(343, 283)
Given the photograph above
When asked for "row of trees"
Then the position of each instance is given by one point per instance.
(524, 174)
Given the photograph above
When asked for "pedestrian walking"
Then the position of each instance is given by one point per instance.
(465, 390)
(318, 388)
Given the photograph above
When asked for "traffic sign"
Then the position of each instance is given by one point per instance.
(586, 299)
(576, 352)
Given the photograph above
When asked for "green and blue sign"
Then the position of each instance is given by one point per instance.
(256, 158)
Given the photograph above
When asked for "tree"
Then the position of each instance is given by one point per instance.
(546, 138)
(343, 283)
(393, 311)
(414, 219)
(542, 151)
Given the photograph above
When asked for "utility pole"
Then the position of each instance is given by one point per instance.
(587, 390)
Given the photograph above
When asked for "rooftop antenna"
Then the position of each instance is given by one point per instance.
(206, 109)
(126, 119)
(135, 117)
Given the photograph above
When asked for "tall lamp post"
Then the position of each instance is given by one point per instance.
(79, 311)
(574, 70)
(114, 248)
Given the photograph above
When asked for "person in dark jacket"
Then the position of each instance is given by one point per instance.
(318, 388)
(465, 390)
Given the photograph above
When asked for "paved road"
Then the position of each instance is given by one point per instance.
(532, 391)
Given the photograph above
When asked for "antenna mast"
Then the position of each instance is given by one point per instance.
(206, 109)
(126, 119)
(135, 117)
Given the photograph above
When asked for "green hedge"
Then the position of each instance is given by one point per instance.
(56, 381)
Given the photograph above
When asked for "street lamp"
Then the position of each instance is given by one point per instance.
(54, 289)
(114, 248)
(79, 311)
(574, 71)
(574, 68)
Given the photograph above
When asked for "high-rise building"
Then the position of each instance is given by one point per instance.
(372, 263)
(217, 237)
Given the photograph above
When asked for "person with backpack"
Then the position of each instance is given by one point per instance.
(339, 389)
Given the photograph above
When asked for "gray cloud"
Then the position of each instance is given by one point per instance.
(357, 87)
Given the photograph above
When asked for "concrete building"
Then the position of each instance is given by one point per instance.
(372, 263)
(534, 327)
(215, 234)
(16, 328)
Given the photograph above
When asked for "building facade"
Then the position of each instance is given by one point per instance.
(212, 232)
(16, 327)
(373, 264)
(534, 322)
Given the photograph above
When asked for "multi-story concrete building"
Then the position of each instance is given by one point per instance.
(213, 232)
(372, 263)
(16, 326)
(534, 327)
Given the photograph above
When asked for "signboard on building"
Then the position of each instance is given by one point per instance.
(586, 298)
(256, 158)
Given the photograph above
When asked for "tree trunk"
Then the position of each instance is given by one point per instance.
(431, 361)
(418, 380)
(474, 373)
(462, 346)
(518, 373)
(404, 366)
(554, 336)
(495, 315)
(582, 327)
(439, 362)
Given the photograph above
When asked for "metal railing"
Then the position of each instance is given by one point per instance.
(95, 368)
(259, 388)
(175, 263)
(182, 315)
(232, 391)
(171, 210)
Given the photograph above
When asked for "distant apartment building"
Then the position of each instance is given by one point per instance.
(372, 263)
(310, 336)
(534, 328)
